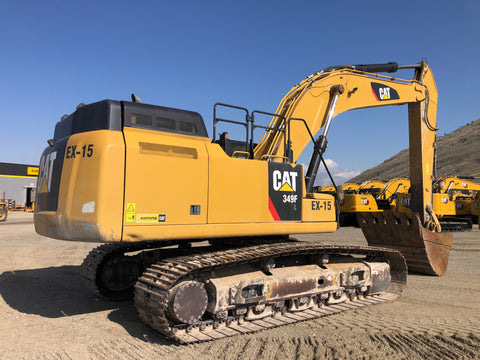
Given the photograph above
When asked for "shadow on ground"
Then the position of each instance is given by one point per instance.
(56, 292)
(51, 292)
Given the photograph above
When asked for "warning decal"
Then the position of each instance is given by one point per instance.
(131, 209)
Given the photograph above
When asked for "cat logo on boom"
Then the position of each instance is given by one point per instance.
(382, 92)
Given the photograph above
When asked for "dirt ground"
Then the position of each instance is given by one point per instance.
(46, 312)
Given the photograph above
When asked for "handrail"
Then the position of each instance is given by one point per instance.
(250, 126)
(215, 120)
(253, 127)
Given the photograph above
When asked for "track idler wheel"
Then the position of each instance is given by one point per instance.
(117, 275)
(426, 251)
(187, 302)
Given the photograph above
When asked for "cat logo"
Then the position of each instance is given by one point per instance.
(45, 172)
(284, 180)
(285, 187)
(382, 92)
(405, 202)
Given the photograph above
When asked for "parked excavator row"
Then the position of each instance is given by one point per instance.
(371, 196)
(463, 190)
(372, 187)
(453, 200)
(148, 182)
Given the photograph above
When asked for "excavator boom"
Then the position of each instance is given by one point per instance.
(322, 96)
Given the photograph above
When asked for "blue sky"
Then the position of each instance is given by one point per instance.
(191, 54)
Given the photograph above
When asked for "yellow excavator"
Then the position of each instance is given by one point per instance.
(453, 185)
(350, 188)
(197, 229)
(461, 191)
(453, 201)
(372, 187)
(372, 196)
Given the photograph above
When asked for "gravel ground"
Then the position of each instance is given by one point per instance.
(46, 312)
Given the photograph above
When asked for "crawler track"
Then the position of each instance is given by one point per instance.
(93, 265)
(151, 290)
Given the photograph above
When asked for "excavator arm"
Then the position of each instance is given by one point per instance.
(322, 96)
(452, 185)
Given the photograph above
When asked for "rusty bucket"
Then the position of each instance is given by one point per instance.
(426, 251)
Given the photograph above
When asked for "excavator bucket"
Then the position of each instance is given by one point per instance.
(426, 251)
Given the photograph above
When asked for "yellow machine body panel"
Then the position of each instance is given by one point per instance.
(358, 203)
(221, 196)
(442, 205)
(318, 207)
(93, 166)
(465, 205)
(165, 175)
(235, 193)
(136, 183)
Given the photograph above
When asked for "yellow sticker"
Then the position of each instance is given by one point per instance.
(131, 209)
(428, 170)
(32, 171)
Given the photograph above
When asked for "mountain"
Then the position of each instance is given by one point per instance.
(458, 153)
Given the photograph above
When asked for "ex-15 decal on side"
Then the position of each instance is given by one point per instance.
(321, 205)
(285, 191)
(74, 151)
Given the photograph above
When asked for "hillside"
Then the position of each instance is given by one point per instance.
(458, 153)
